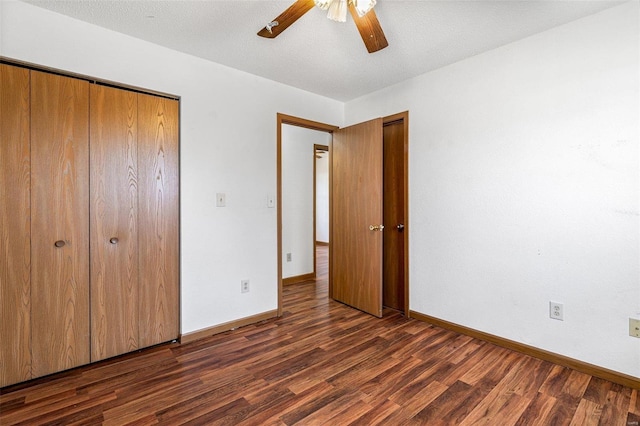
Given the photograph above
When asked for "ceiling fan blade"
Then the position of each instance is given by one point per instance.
(370, 30)
(286, 18)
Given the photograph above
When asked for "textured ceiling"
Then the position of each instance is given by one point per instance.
(326, 57)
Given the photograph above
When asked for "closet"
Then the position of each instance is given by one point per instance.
(88, 222)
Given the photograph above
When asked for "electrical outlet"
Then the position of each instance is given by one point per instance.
(244, 286)
(634, 327)
(288, 257)
(556, 311)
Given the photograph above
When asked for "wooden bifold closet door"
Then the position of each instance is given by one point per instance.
(114, 222)
(59, 223)
(134, 229)
(15, 226)
(158, 214)
(89, 222)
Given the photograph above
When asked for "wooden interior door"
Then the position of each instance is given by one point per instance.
(158, 219)
(15, 226)
(356, 204)
(59, 222)
(394, 203)
(114, 222)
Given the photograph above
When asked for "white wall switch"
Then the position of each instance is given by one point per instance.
(271, 201)
(634, 327)
(221, 199)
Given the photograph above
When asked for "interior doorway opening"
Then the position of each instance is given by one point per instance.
(303, 156)
(390, 279)
(321, 196)
(298, 142)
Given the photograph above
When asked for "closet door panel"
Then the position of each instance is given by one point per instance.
(114, 222)
(59, 222)
(158, 219)
(15, 224)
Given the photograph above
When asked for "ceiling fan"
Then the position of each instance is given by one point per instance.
(361, 11)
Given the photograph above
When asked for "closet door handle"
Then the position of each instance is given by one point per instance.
(59, 243)
(113, 240)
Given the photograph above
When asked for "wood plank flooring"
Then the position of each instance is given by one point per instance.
(323, 363)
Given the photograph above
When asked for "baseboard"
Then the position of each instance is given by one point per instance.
(321, 243)
(565, 361)
(299, 278)
(221, 328)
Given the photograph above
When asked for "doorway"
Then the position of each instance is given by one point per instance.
(301, 152)
(285, 124)
(371, 264)
(321, 195)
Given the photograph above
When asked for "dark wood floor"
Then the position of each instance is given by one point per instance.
(324, 363)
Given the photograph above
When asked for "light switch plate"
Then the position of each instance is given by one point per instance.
(221, 199)
(634, 327)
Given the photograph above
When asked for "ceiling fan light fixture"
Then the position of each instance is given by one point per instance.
(338, 10)
(322, 4)
(363, 6)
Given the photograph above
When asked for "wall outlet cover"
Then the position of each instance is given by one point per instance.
(556, 311)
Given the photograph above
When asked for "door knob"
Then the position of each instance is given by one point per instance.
(376, 227)
(113, 240)
(59, 243)
(400, 227)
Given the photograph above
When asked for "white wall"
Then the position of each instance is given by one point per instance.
(322, 198)
(228, 140)
(297, 197)
(524, 185)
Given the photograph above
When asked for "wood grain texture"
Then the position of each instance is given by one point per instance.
(393, 212)
(114, 214)
(287, 18)
(323, 363)
(356, 203)
(598, 373)
(158, 219)
(370, 30)
(303, 122)
(299, 278)
(231, 325)
(15, 225)
(60, 211)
